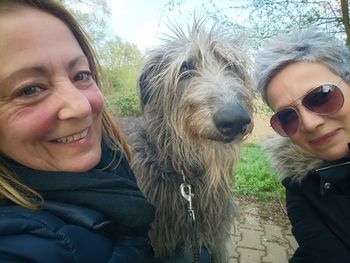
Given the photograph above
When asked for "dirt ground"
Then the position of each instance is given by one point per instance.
(261, 129)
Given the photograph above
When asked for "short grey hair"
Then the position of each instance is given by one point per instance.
(310, 45)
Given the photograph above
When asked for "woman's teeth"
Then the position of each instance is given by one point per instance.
(72, 138)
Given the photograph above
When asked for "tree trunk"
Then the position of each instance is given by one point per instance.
(345, 20)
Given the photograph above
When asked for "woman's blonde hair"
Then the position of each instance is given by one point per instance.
(10, 188)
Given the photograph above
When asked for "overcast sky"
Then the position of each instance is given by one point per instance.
(137, 21)
(142, 22)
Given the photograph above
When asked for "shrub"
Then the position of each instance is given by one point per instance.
(124, 103)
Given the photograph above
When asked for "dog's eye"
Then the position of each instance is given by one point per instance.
(230, 66)
(184, 67)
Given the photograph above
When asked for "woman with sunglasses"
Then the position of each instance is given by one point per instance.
(304, 77)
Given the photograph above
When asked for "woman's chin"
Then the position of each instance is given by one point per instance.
(333, 155)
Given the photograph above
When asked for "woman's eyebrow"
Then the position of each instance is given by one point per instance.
(41, 69)
(22, 71)
(77, 60)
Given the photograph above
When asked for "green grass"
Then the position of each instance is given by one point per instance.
(254, 177)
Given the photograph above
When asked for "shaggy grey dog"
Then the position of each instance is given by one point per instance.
(196, 97)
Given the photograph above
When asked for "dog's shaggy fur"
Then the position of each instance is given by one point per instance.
(196, 96)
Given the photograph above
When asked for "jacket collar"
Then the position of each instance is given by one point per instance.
(332, 174)
(289, 160)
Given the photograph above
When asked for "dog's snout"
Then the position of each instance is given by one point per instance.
(231, 120)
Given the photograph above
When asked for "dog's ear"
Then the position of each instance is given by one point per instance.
(149, 72)
(143, 85)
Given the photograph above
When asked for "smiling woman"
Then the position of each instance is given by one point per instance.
(50, 72)
(304, 77)
(63, 162)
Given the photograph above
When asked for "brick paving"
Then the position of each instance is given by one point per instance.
(256, 241)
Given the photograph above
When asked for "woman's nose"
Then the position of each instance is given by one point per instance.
(309, 121)
(75, 103)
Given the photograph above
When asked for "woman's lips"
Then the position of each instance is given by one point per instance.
(324, 139)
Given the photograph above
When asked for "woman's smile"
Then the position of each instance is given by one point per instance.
(324, 139)
(49, 95)
(73, 137)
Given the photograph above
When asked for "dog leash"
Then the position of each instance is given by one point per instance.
(187, 194)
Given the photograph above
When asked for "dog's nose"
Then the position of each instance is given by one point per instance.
(231, 120)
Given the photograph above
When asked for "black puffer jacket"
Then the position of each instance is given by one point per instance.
(318, 202)
(95, 217)
(69, 234)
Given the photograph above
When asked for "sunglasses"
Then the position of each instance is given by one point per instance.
(324, 100)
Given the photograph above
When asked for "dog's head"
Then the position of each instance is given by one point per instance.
(198, 84)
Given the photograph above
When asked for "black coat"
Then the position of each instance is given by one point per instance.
(317, 199)
(319, 211)
(97, 216)
(81, 235)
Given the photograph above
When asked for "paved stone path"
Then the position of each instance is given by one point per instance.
(255, 241)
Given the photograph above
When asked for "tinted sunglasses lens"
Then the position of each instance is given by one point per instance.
(285, 122)
(324, 100)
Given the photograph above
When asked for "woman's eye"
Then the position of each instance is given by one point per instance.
(31, 91)
(81, 76)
